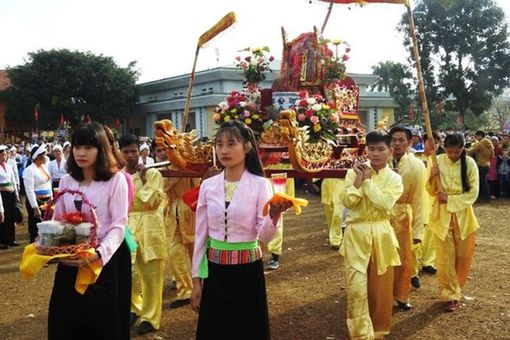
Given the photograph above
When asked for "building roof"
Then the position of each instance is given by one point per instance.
(5, 82)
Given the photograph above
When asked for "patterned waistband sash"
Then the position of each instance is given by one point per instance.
(230, 253)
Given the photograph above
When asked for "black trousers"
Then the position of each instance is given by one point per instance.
(102, 312)
(7, 228)
(32, 220)
(483, 194)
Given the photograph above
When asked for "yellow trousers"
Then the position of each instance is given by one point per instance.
(402, 279)
(275, 245)
(333, 214)
(401, 223)
(147, 289)
(454, 257)
(180, 266)
(424, 253)
(369, 301)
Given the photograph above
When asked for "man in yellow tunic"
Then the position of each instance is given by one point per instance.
(330, 198)
(180, 229)
(407, 216)
(453, 220)
(424, 254)
(146, 224)
(370, 246)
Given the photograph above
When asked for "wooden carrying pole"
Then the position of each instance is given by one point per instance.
(421, 89)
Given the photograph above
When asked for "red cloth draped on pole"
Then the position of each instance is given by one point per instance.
(61, 119)
(36, 115)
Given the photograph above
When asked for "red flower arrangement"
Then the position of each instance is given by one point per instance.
(318, 115)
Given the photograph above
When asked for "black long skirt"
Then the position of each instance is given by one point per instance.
(7, 232)
(102, 312)
(234, 303)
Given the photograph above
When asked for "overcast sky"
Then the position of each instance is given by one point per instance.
(162, 34)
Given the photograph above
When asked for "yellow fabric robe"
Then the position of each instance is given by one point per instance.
(180, 223)
(370, 252)
(148, 229)
(454, 225)
(407, 220)
(333, 207)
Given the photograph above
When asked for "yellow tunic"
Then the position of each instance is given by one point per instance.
(148, 228)
(145, 219)
(370, 252)
(407, 221)
(459, 203)
(368, 225)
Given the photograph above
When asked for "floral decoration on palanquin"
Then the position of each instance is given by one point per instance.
(318, 115)
(237, 106)
(255, 64)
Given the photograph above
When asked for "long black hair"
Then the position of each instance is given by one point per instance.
(234, 129)
(457, 140)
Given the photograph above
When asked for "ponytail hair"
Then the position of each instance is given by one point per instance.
(458, 140)
(234, 129)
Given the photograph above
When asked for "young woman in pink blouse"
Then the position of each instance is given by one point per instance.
(102, 312)
(229, 291)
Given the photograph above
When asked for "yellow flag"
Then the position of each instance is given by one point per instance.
(220, 26)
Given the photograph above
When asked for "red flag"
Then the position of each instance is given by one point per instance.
(36, 115)
(117, 122)
(61, 119)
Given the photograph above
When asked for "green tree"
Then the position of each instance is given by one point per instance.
(397, 79)
(464, 50)
(74, 84)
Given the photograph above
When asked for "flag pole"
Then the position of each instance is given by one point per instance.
(190, 89)
(220, 26)
(421, 90)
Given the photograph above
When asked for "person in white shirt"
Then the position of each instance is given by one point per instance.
(37, 181)
(9, 197)
(13, 160)
(58, 166)
(144, 158)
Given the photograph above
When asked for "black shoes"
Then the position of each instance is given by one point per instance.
(14, 244)
(144, 327)
(403, 305)
(3, 246)
(180, 303)
(429, 269)
(336, 248)
(416, 282)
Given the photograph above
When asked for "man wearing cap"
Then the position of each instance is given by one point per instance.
(9, 197)
(144, 157)
(37, 182)
(417, 144)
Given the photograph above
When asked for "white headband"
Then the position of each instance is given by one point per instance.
(40, 150)
(143, 147)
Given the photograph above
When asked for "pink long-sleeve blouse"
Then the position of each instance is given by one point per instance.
(244, 220)
(111, 201)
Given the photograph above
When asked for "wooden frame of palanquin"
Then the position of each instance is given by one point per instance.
(339, 173)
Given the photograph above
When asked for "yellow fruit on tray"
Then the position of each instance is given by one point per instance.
(277, 198)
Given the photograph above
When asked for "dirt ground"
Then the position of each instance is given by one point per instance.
(307, 294)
